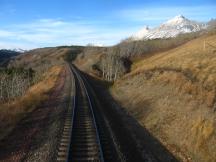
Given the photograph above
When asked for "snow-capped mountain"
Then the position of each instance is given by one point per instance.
(19, 50)
(171, 28)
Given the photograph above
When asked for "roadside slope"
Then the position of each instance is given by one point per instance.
(173, 95)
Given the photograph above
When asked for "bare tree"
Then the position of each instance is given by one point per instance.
(112, 64)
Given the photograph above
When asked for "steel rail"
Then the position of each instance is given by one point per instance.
(79, 80)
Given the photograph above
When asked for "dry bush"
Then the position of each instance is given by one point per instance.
(14, 83)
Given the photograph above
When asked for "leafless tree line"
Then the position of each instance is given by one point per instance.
(112, 65)
(13, 85)
(15, 82)
(16, 79)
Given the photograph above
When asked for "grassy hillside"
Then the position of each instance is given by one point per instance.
(191, 67)
(173, 95)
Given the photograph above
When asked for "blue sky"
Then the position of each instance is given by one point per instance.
(39, 23)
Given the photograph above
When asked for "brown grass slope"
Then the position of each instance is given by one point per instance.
(173, 95)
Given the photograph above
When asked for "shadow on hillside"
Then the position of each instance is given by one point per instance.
(126, 128)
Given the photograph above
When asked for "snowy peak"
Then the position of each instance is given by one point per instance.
(176, 20)
(179, 17)
(171, 28)
(181, 24)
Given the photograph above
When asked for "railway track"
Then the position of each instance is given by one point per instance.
(85, 136)
(85, 144)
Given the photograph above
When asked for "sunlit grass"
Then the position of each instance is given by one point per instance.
(190, 66)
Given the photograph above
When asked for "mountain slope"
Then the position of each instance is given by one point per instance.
(171, 28)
